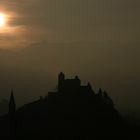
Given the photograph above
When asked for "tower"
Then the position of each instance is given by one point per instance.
(61, 79)
(12, 104)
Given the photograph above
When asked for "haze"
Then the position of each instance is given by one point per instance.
(96, 39)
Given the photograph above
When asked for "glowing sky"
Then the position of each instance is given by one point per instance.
(103, 36)
(34, 21)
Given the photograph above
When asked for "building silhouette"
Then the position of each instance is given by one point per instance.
(65, 85)
(71, 87)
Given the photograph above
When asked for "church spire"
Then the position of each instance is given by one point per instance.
(12, 104)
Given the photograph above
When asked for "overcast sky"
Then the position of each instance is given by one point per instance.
(97, 39)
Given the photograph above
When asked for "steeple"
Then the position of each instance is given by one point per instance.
(12, 104)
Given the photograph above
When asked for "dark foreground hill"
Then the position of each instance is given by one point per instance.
(72, 112)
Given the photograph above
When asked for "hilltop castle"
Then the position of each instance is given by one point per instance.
(72, 89)
(74, 109)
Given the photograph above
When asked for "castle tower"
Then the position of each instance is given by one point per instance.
(61, 79)
(12, 104)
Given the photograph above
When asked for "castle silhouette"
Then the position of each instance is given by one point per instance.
(73, 110)
(69, 87)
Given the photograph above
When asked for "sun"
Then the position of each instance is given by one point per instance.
(2, 19)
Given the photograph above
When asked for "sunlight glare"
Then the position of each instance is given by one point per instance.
(2, 20)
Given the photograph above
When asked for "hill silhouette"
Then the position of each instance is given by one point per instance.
(73, 111)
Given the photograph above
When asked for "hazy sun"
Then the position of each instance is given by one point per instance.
(2, 20)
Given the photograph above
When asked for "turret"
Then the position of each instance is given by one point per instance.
(61, 78)
(12, 104)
